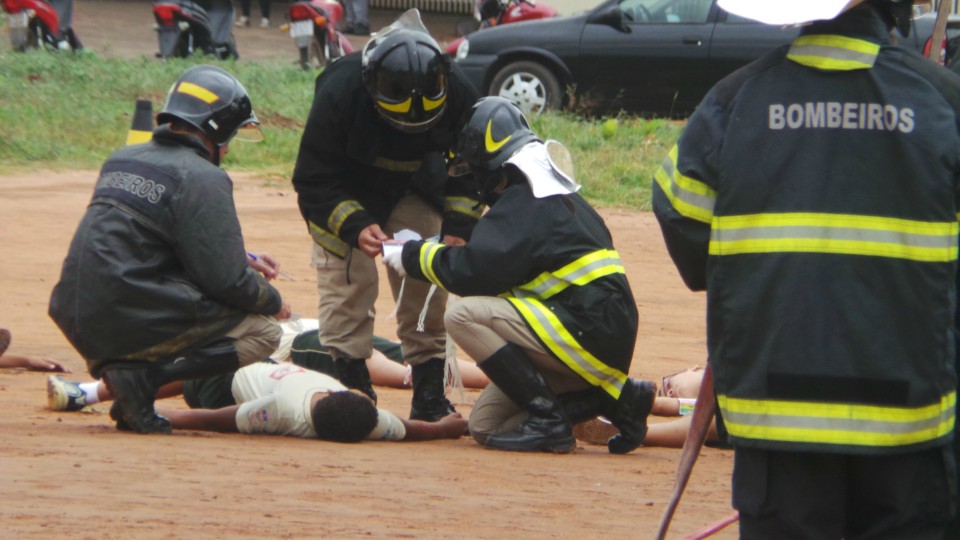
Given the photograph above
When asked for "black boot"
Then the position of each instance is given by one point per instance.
(214, 359)
(430, 402)
(581, 405)
(548, 428)
(133, 386)
(629, 415)
(353, 373)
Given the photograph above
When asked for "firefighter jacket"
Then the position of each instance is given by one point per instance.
(814, 195)
(352, 167)
(157, 264)
(553, 259)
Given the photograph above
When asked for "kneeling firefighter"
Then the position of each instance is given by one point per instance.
(547, 311)
(156, 286)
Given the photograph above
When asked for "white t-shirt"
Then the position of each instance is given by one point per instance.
(291, 329)
(275, 399)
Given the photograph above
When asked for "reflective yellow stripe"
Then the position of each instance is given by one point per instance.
(328, 241)
(691, 198)
(198, 92)
(597, 264)
(834, 53)
(563, 345)
(834, 233)
(396, 165)
(402, 107)
(431, 104)
(834, 423)
(463, 205)
(429, 250)
(340, 214)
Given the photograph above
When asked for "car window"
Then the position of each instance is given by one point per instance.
(666, 11)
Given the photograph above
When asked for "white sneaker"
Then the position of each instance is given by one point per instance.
(242, 21)
(64, 395)
(264, 22)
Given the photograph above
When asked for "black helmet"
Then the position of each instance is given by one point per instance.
(406, 73)
(495, 131)
(211, 100)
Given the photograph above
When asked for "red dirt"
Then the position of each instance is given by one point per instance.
(71, 474)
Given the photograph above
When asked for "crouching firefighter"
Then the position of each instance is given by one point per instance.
(547, 311)
(156, 286)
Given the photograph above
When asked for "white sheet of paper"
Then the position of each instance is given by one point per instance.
(406, 234)
(396, 243)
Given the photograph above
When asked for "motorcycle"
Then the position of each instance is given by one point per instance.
(488, 13)
(313, 27)
(36, 24)
(185, 27)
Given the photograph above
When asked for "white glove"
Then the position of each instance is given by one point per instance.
(394, 260)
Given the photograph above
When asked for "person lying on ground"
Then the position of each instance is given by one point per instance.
(676, 397)
(299, 344)
(286, 399)
(28, 362)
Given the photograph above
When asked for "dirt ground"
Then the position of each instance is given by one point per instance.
(72, 474)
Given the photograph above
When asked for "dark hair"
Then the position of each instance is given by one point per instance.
(344, 417)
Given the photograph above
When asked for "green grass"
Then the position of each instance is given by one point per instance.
(62, 111)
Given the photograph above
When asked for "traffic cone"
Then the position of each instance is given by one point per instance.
(141, 130)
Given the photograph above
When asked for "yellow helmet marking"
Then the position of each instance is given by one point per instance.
(490, 144)
(402, 107)
(198, 92)
(431, 104)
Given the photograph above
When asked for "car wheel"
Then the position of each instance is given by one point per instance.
(533, 87)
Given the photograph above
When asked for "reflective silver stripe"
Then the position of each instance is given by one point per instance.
(834, 233)
(464, 205)
(328, 241)
(564, 346)
(690, 198)
(837, 423)
(834, 53)
(580, 272)
(340, 214)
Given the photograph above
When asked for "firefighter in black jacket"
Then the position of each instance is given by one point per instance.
(157, 269)
(814, 196)
(372, 162)
(548, 315)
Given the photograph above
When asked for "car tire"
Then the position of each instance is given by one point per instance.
(533, 87)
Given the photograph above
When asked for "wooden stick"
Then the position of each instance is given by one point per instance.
(939, 30)
(699, 425)
(713, 528)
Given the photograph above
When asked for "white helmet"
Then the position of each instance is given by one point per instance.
(790, 12)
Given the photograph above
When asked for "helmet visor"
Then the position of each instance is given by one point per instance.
(249, 132)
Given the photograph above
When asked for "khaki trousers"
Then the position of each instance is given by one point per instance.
(348, 289)
(255, 338)
(482, 325)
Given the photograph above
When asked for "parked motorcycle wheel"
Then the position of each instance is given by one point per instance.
(318, 54)
(182, 50)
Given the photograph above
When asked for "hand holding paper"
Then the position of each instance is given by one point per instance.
(393, 248)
